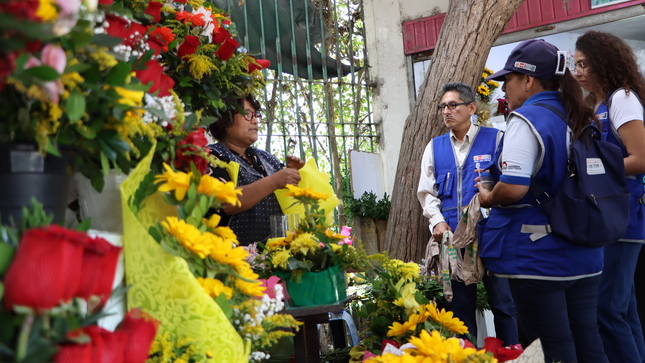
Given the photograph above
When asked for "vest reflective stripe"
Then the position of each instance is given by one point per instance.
(456, 184)
(636, 227)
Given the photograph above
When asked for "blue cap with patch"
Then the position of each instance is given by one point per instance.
(536, 58)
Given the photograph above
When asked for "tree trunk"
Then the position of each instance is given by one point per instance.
(469, 31)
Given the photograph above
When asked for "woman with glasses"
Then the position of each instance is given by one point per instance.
(259, 173)
(554, 283)
(616, 90)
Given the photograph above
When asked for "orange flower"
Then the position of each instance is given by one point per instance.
(164, 35)
(186, 17)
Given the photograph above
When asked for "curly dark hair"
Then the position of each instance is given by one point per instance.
(612, 62)
(235, 106)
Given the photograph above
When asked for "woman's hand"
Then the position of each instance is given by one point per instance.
(285, 176)
(294, 163)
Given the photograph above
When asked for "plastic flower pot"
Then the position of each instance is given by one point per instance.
(325, 287)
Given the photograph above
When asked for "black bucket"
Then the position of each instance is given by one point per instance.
(25, 173)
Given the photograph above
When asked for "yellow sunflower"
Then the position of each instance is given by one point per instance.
(296, 192)
(447, 319)
(188, 236)
(213, 221)
(177, 181)
(223, 192)
(215, 287)
(397, 328)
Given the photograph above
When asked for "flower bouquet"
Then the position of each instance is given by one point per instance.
(484, 92)
(72, 91)
(312, 255)
(53, 291)
(196, 47)
(206, 255)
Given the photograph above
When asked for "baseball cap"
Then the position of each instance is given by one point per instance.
(536, 58)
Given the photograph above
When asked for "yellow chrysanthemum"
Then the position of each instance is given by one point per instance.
(215, 287)
(177, 181)
(331, 234)
(188, 235)
(223, 192)
(295, 192)
(446, 318)
(275, 243)
(129, 97)
(236, 256)
(281, 259)
(441, 349)
(397, 328)
(305, 243)
(226, 234)
(47, 11)
(335, 247)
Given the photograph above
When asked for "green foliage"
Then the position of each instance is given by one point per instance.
(368, 206)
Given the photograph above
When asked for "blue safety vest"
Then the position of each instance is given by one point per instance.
(509, 252)
(636, 228)
(456, 184)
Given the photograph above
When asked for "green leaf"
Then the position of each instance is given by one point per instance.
(80, 38)
(75, 105)
(223, 303)
(105, 148)
(6, 255)
(105, 164)
(85, 225)
(45, 73)
(78, 67)
(118, 74)
(108, 41)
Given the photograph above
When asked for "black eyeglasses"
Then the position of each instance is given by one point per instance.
(451, 105)
(249, 115)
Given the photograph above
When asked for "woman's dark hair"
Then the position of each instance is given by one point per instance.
(612, 62)
(572, 98)
(235, 106)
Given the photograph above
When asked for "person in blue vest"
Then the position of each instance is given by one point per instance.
(554, 282)
(258, 173)
(616, 90)
(446, 186)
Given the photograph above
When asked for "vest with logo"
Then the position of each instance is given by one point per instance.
(509, 252)
(456, 184)
(636, 227)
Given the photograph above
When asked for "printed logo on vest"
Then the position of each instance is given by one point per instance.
(522, 65)
(602, 116)
(595, 166)
(480, 158)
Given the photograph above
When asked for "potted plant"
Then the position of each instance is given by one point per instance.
(370, 215)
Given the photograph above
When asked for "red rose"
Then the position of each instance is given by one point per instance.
(504, 354)
(117, 26)
(114, 346)
(74, 353)
(154, 10)
(191, 149)
(226, 50)
(189, 46)
(100, 260)
(385, 342)
(46, 269)
(106, 2)
(261, 64)
(154, 73)
(141, 329)
(220, 35)
(21, 9)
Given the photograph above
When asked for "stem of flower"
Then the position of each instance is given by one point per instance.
(23, 338)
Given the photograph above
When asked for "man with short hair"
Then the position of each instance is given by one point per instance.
(446, 186)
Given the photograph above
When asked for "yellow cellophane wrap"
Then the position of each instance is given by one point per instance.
(162, 285)
(318, 181)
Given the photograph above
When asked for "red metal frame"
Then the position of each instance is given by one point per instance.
(421, 34)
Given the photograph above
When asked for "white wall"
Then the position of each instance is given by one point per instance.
(389, 70)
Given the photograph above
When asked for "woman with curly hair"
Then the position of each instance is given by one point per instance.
(606, 67)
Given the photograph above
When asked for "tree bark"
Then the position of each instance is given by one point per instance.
(468, 32)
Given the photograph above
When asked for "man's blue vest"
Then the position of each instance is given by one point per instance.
(504, 248)
(456, 184)
(636, 228)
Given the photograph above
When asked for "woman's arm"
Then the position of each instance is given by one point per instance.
(253, 193)
(633, 135)
(501, 194)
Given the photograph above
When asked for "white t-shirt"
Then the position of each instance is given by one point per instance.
(624, 108)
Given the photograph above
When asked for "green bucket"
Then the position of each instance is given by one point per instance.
(316, 288)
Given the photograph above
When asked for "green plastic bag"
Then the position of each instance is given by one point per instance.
(316, 288)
